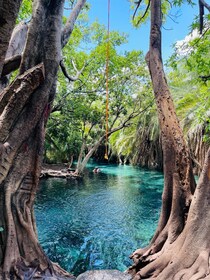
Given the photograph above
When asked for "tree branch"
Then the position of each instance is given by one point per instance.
(145, 12)
(14, 97)
(137, 6)
(71, 22)
(70, 78)
(125, 123)
(11, 64)
(205, 78)
(207, 6)
(201, 14)
(9, 12)
(202, 5)
(60, 102)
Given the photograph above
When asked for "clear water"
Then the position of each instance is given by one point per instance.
(98, 222)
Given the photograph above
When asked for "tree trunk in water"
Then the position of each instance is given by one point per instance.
(179, 248)
(82, 162)
(80, 168)
(24, 109)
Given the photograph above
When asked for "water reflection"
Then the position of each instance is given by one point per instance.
(97, 222)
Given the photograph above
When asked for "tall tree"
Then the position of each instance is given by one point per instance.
(24, 108)
(180, 246)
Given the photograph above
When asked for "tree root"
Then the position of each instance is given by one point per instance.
(173, 262)
(198, 270)
(143, 257)
(151, 267)
(169, 267)
(33, 271)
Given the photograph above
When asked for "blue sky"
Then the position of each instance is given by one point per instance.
(120, 20)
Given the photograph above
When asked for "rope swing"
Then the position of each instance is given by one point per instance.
(107, 81)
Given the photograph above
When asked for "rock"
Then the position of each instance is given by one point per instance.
(104, 275)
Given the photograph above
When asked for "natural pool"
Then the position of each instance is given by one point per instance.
(96, 223)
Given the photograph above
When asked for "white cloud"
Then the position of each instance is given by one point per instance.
(182, 46)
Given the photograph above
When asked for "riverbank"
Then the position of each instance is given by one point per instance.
(58, 170)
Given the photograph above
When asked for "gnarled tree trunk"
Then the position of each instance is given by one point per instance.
(24, 109)
(14, 52)
(8, 14)
(179, 248)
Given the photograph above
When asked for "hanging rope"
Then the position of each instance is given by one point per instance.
(107, 81)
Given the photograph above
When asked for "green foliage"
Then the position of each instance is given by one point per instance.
(189, 67)
(180, 2)
(141, 13)
(25, 11)
(80, 106)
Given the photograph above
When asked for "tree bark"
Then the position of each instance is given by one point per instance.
(66, 33)
(160, 255)
(8, 14)
(24, 108)
(14, 53)
(17, 179)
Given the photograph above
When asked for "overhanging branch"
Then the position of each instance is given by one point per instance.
(65, 72)
(71, 21)
(205, 78)
(145, 12)
(207, 6)
(11, 64)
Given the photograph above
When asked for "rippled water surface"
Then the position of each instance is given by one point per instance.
(97, 222)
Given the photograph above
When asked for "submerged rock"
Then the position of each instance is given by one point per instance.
(104, 275)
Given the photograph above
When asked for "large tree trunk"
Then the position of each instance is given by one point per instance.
(180, 243)
(8, 14)
(24, 109)
(13, 54)
(22, 139)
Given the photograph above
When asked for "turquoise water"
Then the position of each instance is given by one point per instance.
(96, 223)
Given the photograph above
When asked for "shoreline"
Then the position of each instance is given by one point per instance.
(58, 171)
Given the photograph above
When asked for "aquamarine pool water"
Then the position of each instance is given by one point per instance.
(96, 223)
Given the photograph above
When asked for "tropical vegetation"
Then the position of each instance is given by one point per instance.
(52, 89)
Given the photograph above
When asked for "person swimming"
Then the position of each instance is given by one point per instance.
(96, 170)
